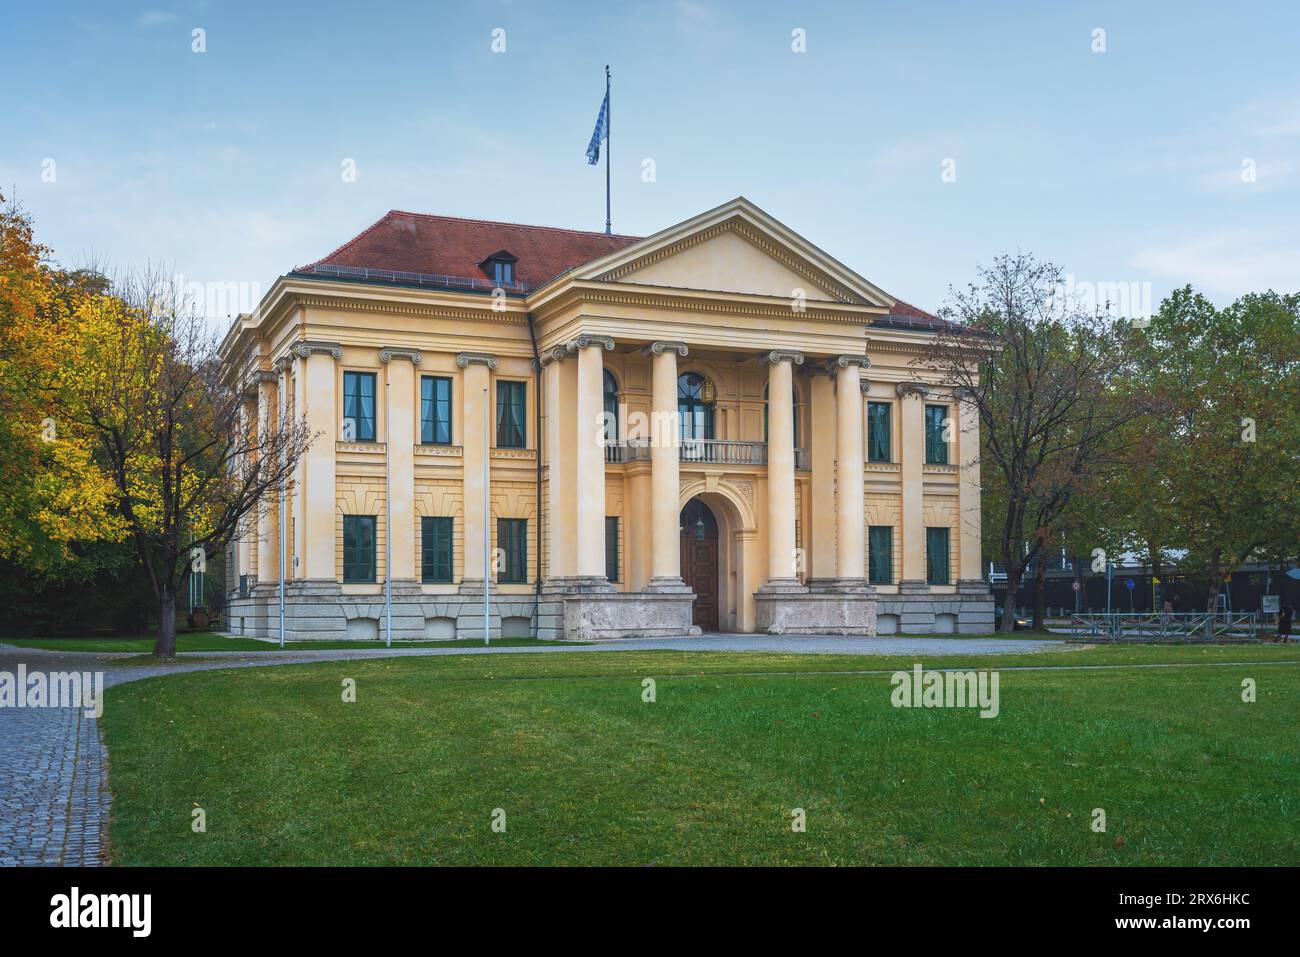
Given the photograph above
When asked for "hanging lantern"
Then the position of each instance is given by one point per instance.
(708, 394)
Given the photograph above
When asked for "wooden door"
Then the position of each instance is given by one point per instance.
(699, 555)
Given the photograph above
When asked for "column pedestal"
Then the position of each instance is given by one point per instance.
(585, 609)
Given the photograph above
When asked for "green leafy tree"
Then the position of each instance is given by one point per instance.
(1220, 471)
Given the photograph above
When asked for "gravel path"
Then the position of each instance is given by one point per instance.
(54, 800)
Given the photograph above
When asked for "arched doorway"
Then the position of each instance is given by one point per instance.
(699, 540)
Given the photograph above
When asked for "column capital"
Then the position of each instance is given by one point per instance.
(466, 359)
(284, 363)
(785, 355)
(904, 389)
(662, 346)
(389, 353)
(585, 340)
(843, 362)
(307, 348)
(865, 386)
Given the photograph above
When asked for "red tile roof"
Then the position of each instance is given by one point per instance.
(451, 246)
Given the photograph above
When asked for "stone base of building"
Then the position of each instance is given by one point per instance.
(587, 609)
(320, 611)
(916, 611)
(828, 607)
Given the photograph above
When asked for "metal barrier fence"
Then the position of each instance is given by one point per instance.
(1159, 626)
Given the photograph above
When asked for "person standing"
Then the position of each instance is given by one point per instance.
(1284, 617)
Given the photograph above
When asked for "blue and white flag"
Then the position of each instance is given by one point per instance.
(599, 133)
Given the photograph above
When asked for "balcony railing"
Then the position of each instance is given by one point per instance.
(706, 452)
(619, 452)
(723, 452)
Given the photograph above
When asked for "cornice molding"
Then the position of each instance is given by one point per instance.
(389, 353)
(709, 301)
(487, 313)
(586, 340)
(662, 346)
(466, 359)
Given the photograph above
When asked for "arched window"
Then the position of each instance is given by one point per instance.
(794, 401)
(695, 395)
(611, 406)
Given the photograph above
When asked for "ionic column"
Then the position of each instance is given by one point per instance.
(401, 437)
(561, 386)
(821, 448)
(319, 497)
(475, 451)
(968, 491)
(849, 499)
(665, 468)
(590, 558)
(782, 563)
(246, 548)
(268, 509)
(911, 462)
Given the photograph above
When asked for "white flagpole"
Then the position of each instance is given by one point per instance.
(609, 142)
(487, 535)
(283, 519)
(388, 513)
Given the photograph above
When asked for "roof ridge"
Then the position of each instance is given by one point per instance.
(502, 222)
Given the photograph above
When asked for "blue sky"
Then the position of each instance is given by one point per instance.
(224, 166)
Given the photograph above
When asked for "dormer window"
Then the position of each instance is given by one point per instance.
(500, 267)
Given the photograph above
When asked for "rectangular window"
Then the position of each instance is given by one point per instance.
(435, 549)
(435, 410)
(878, 432)
(358, 548)
(359, 406)
(512, 539)
(936, 449)
(936, 556)
(880, 554)
(611, 547)
(503, 272)
(510, 414)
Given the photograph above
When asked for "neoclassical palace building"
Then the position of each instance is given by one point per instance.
(715, 428)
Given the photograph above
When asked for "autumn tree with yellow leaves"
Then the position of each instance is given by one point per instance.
(115, 424)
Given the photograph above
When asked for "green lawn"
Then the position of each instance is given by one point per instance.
(206, 641)
(587, 773)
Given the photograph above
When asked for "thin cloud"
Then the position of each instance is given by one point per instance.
(1228, 262)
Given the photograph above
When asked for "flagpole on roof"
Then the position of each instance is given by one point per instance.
(608, 143)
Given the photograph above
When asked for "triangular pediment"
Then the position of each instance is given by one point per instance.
(739, 249)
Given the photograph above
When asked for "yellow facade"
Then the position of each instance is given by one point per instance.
(793, 344)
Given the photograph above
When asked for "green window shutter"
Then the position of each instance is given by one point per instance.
(611, 547)
(936, 556)
(512, 539)
(878, 431)
(436, 549)
(511, 410)
(880, 554)
(936, 449)
(358, 548)
(435, 410)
